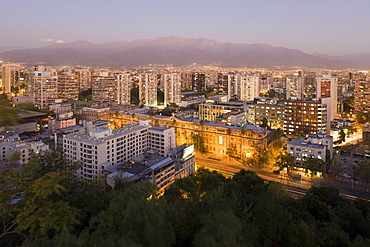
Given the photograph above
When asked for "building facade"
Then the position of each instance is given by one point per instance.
(305, 116)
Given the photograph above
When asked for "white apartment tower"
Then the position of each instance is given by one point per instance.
(11, 78)
(172, 88)
(248, 87)
(148, 89)
(105, 147)
(294, 87)
(43, 87)
(124, 85)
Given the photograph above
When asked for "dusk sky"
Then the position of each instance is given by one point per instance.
(334, 27)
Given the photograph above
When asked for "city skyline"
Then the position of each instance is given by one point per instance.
(330, 27)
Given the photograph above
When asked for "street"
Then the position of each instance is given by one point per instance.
(295, 187)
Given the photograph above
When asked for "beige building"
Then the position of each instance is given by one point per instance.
(11, 78)
(172, 88)
(210, 111)
(207, 137)
(68, 85)
(148, 89)
(44, 87)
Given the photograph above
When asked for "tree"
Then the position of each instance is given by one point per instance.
(341, 136)
(285, 161)
(220, 228)
(313, 164)
(134, 96)
(133, 219)
(363, 172)
(265, 123)
(232, 151)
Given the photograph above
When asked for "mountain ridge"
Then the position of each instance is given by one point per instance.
(171, 50)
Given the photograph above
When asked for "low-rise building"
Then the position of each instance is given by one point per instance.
(159, 170)
(211, 111)
(24, 150)
(315, 145)
(237, 118)
(184, 160)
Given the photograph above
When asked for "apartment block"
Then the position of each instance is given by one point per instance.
(148, 89)
(314, 145)
(305, 116)
(361, 94)
(327, 88)
(44, 87)
(124, 85)
(271, 110)
(104, 87)
(23, 149)
(68, 85)
(102, 148)
(294, 87)
(172, 88)
(11, 78)
(158, 170)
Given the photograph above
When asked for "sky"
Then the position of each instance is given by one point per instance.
(333, 27)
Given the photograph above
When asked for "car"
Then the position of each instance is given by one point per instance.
(276, 172)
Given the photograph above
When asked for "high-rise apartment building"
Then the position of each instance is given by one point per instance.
(226, 83)
(294, 87)
(172, 88)
(11, 78)
(248, 87)
(104, 87)
(327, 87)
(43, 87)
(305, 116)
(68, 85)
(270, 110)
(361, 94)
(84, 76)
(124, 85)
(186, 80)
(148, 89)
(198, 82)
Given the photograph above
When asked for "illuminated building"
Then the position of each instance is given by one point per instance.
(271, 110)
(124, 85)
(148, 89)
(10, 78)
(103, 148)
(314, 145)
(68, 85)
(361, 94)
(104, 87)
(172, 88)
(198, 82)
(248, 87)
(44, 87)
(305, 116)
(327, 87)
(294, 87)
(210, 111)
(212, 137)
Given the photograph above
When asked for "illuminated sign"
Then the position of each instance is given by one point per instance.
(188, 151)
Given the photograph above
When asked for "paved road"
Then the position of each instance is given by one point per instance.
(295, 187)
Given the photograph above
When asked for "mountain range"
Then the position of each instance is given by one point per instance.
(178, 52)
